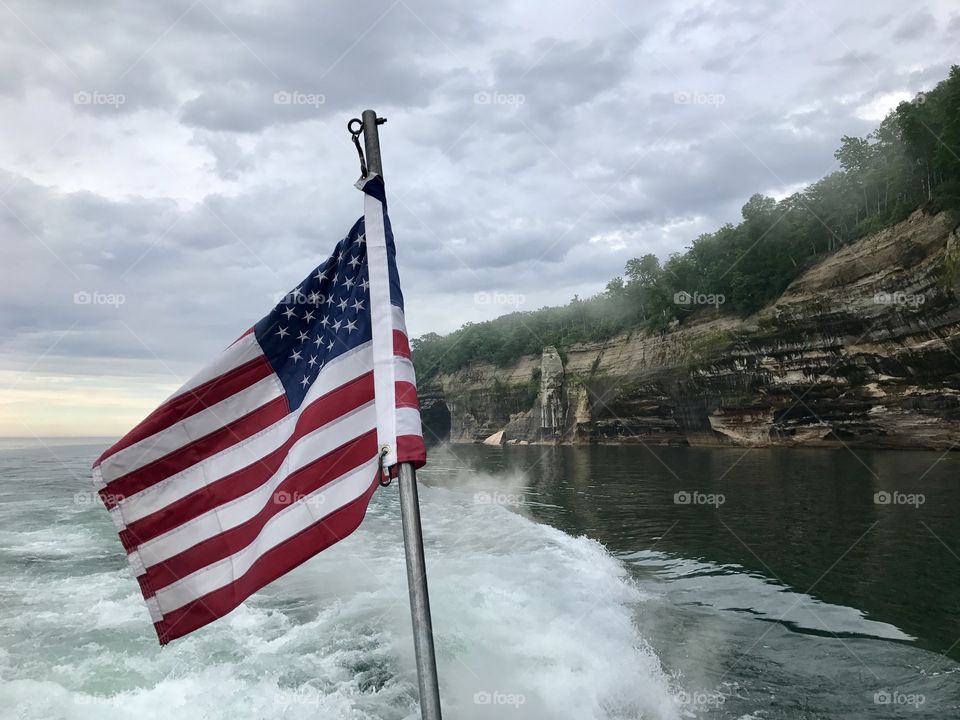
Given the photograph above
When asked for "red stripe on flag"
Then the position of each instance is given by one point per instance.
(193, 401)
(304, 481)
(411, 449)
(320, 412)
(183, 457)
(272, 564)
(406, 394)
(401, 346)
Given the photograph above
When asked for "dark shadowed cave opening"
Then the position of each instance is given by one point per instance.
(435, 417)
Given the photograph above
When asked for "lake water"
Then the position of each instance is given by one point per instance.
(603, 582)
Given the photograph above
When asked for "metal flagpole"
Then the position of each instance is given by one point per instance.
(410, 516)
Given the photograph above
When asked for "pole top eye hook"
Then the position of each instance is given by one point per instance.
(355, 136)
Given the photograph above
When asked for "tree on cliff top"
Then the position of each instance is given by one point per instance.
(911, 160)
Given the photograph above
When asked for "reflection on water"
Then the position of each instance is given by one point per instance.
(786, 584)
(811, 520)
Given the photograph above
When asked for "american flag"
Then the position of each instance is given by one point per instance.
(271, 453)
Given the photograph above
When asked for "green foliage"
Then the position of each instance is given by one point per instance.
(947, 197)
(951, 266)
(533, 387)
(911, 160)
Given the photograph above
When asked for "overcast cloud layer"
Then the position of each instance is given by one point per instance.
(168, 169)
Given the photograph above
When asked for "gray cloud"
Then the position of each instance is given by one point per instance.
(527, 152)
(916, 26)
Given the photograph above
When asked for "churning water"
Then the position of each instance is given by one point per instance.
(559, 589)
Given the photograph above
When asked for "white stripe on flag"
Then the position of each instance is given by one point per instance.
(236, 512)
(382, 328)
(403, 370)
(399, 321)
(335, 373)
(285, 524)
(154, 609)
(408, 422)
(191, 428)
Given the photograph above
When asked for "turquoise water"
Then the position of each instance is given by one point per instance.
(566, 583)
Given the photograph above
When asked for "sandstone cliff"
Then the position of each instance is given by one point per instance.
(862, 349)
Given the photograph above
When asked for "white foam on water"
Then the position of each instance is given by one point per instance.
(59, 541)
(548, 619)
(530, 623)
(102, 600)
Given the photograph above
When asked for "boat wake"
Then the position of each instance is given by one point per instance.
(530, 623)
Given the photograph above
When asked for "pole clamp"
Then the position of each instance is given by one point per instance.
(383, 477)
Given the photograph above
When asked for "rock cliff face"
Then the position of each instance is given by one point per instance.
(863, 349)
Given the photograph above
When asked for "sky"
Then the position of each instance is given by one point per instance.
(168, 170)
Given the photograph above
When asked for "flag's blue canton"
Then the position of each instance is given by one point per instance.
(374, 188)
(396, 297)
(323, 317)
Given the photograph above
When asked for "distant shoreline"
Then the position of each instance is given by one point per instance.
(25, 443)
